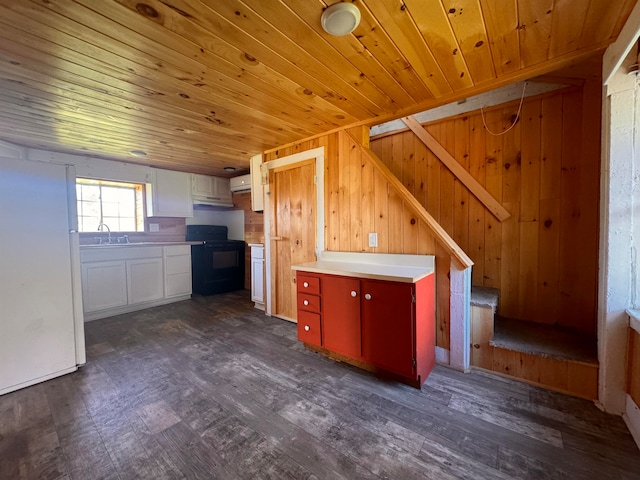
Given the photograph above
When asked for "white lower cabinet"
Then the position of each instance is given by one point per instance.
(103, 286)
(122, 279)
(257, 275)
(144, 280)
(177, 269)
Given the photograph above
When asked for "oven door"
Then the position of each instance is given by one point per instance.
(217, 268)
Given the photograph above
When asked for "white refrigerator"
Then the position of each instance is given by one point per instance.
(41, 320)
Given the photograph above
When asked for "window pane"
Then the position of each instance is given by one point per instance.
(116, 204)
(127, 224)
(109, 209)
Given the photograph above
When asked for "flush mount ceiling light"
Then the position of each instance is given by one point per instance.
(230, 169)
(340, 19)
(137, 153)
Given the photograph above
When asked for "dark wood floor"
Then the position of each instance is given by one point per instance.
(211, 388)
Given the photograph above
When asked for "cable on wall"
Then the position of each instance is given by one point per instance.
(524, 86)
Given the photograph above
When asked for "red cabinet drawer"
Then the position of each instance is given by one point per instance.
(308, 284)
(309, 328)
(310, 303)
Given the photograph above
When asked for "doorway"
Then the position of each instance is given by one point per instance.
(294, 225)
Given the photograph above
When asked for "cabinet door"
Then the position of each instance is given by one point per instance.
(341, 315)
(257, 189)
(388, 326)
(145, 280)
(221, 187)
(170, 194)
(177, 274)
(257, 280)
(104, 285)
(201, 185)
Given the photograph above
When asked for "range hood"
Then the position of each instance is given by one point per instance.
(221, 202)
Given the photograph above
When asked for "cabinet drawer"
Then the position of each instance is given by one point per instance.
(310, 303)
(174, 250)
(309, 328)
(308, 284)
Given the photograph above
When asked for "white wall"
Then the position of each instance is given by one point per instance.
(619, 288)
(232, 219)
(484, 100)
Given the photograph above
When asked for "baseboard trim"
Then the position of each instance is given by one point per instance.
(442, 356)
(91, 316)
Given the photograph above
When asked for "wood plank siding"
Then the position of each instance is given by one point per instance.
(357, 196)
(201, 84)
(545, 172)
(253, 230)
(633, 370)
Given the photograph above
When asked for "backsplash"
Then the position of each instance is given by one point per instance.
(169, 230)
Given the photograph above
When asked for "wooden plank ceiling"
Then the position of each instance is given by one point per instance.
(200, 85)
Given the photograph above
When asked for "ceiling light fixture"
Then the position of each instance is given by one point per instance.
(340, 19)
(137, 153)
(230, 169)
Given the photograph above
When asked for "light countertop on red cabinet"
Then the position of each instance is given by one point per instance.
(377, 266)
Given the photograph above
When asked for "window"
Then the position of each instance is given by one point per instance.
(116, 204)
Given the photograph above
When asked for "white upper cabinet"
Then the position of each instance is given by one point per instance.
(210, 190)
(257, 189)
(169, 194)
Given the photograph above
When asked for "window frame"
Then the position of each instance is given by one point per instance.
(139, 204)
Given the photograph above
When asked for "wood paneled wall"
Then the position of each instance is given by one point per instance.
(545, 171)
(633, 369)
(358, 200)
(253, 230)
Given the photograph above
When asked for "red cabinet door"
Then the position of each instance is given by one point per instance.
(341, 315)
(388, 339)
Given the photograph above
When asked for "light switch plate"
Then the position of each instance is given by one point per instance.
(373, 240)
(154, 227)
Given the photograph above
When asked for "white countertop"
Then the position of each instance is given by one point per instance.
(378, 266)
(136, 244)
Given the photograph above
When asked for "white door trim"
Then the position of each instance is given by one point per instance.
(318, 154)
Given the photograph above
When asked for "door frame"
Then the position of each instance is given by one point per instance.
(318, 155)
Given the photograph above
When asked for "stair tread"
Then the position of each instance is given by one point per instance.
(544, 340)
(486, 297)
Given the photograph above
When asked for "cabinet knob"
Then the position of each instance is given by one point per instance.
(306, 302)
(367, 296)
(307, 328)
(305, 284)
(353, 293)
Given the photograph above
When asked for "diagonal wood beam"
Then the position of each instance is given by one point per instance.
(458, 170)
(440, 233)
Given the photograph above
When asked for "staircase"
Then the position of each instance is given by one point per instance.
(553, 357)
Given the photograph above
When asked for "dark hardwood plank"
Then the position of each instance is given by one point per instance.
(212, 388)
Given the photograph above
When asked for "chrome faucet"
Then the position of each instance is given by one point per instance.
(104, 225)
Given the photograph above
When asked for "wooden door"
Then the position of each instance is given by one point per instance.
(387, 326)
(292, 231)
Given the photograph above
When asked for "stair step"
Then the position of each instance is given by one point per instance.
(544, 340)
(485, 297)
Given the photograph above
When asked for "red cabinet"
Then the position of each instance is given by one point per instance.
(341, 315)
(308, 300)
(389, 326)
(388, 336)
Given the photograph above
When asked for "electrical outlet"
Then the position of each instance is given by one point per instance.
(154, 227)
(373, 240)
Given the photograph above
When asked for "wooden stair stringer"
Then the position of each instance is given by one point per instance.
(445, 240)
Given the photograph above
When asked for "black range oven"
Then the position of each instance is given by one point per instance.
(217, 265)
